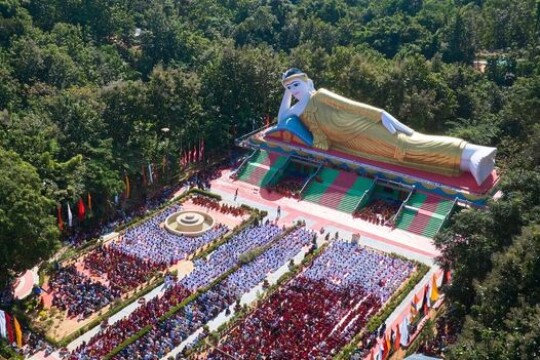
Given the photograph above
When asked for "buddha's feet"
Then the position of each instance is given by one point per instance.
(479, 161)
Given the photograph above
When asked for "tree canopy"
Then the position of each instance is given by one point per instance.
(86, 88)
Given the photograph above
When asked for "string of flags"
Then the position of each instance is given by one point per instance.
(399, 335)
(10, 329)
(80, 209)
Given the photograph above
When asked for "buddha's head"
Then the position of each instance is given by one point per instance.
(297, 82)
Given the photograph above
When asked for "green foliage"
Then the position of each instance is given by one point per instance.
(27, 230)
(87, 87)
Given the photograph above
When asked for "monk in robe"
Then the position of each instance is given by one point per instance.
(359, 129)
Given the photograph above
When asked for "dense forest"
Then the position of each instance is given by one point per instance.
(87, 86)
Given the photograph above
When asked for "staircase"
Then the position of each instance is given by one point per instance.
(338, 190)
(351, 198)
(424, 214)
(261, 168)
(316, 189)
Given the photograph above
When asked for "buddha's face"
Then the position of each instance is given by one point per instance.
(299, 89)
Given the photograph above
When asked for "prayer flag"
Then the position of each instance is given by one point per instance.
(434, 291)
(380, 353)
(9, 326)
(397, 340)
(18, 332)
(3, 328)
(70, 216)
(426, 294)
(81, 211)
(404, 330)
(414, 305)
(201, 151)
(150, 175)
(128, 187)
(59, 215)
(386, 347)
(89, 202)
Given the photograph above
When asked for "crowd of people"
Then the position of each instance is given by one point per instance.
(125, 264)
(289, 187)
(213, 204)
(320, 310)
(148, 313)
(228, 254)
(122, 271)
(78, 294)
(379, 212)
(222, 259)
(150, 241)
(166, 336)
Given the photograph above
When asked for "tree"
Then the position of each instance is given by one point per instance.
(28, 233)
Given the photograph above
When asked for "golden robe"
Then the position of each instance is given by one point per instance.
(356, 128)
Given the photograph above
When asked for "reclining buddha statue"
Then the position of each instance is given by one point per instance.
(354, 128)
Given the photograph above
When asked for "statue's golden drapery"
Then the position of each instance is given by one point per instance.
(356, 128)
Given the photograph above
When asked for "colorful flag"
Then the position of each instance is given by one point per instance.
(18, 332)
(70, 216)
(434, 291)
(89, 202)
(404, 330)
(201, 149)
(3, 328)
(81, 211)
(397, 340)
(267, 120)
(380, 353)
(424, 308)
(386, 347)
(150, 175)
(143, 176)
(128, 187)
(59, 215)
(414, 305)
(9, 326)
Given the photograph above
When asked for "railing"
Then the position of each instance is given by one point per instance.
(238, 141)
(278, 171)
(234, 174)
(366, 195)
(447, 216)
(394, 220)
(309, 180)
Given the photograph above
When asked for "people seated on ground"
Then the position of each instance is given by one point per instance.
(378, 212)
(224, 294)
(78, 294)
(151, 242)
(123, 271)
(213, 204)
(289, 187)
(321, 310)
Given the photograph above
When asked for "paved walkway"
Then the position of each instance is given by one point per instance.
(25, 283)
(317, 217)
